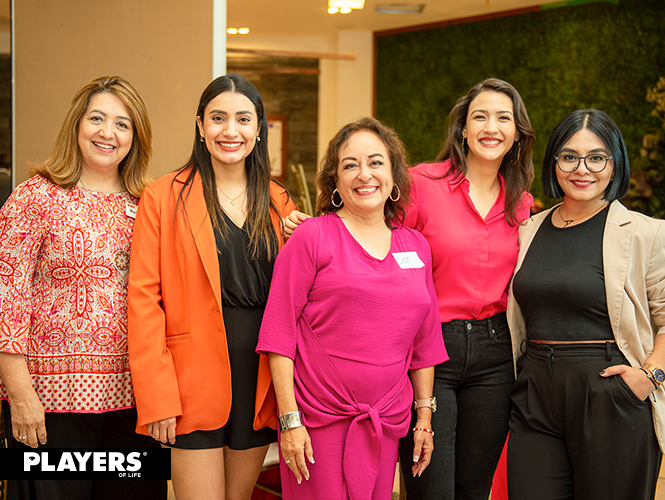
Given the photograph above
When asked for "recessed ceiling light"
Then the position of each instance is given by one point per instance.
(344, 6)
(232, 31)
(399, 8)
(243, 31)
(353, 4)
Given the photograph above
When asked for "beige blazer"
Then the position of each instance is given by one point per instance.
(634, 264)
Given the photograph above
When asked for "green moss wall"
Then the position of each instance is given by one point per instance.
(601, 54)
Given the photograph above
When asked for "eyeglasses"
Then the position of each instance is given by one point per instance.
(594, 162)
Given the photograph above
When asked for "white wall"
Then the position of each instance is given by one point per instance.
(163, 48)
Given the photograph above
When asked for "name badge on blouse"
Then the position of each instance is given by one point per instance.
(130, 210)
(408, 260)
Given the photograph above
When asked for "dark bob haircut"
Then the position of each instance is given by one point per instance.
(607, 131)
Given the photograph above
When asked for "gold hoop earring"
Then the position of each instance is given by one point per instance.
(399, 193)
(519, 149)
(332, 199)
(202, 139)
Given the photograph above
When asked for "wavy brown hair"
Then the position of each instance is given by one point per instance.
(257, 167)
(64, 165)
(326, 179)
(517, 164)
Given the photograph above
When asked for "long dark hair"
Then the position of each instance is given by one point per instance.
(257, 166)
(517, 164)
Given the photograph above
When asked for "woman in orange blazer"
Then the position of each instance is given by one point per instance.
(205, 240)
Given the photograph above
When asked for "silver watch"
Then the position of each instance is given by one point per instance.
(290, 421)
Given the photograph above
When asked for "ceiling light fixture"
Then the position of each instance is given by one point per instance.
(237, 31)
(344, 6)
(399, 8)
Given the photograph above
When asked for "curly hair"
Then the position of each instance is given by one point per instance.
(326, 179)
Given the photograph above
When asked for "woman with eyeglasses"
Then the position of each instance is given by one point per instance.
(588, 403)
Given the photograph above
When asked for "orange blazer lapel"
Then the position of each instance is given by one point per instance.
(202, 232)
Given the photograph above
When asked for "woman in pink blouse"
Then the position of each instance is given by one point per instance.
(468, 205)
(65, 238)
(351, 314)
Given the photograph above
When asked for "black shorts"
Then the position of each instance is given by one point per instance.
(242, 332)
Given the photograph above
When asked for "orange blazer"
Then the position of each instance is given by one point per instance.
(177, 343)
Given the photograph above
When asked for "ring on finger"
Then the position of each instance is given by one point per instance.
(287, 461)
(22, 437)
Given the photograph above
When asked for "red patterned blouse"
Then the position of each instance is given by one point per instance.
(64, 260)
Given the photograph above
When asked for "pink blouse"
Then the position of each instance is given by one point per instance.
(64, 257)
(472, 258)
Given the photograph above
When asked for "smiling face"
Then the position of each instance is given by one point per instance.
(490, 128)
(364, 174)
(583, 186)
(105, 134)
(230, 127)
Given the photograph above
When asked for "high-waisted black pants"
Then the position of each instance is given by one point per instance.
(575, 434)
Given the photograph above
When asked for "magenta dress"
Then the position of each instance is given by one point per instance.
(354, 326)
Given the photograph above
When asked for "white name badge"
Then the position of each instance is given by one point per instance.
(130, 210)
(408, 260)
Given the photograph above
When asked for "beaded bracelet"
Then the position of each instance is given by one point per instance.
(650, 377)
(423, 429)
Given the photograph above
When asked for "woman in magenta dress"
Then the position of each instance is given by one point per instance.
(468, 205)
(352, 314)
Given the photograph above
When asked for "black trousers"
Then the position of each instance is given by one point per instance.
(575, 434)
(471, 423)
(114, 429)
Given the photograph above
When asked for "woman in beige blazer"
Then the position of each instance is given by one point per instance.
(588, 403)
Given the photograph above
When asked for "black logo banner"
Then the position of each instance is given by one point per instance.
(55, 463)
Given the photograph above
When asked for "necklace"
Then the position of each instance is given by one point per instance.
(118, 188)
(231, 200)
(568, 222)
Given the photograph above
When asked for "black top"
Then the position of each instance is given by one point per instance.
(561, 284)
(245, 281)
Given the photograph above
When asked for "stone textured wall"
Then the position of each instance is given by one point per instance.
(295, 96)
